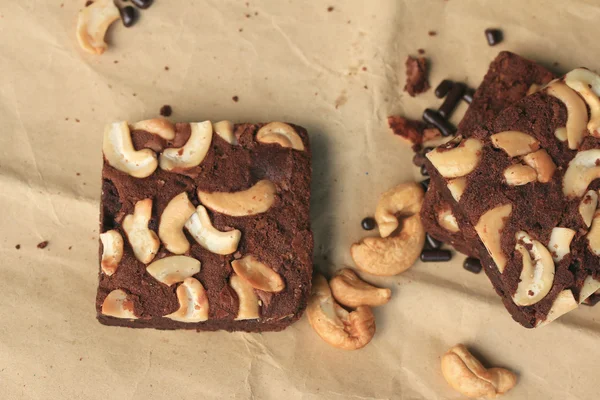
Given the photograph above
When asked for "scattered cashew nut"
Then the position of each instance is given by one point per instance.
(112, 251)
(515, 143)
(458, 161)
(336, 326)
(248, 300)
(351, 291)
(519, 174)
(259, 275)
(587, 84)
(537, 274)
(174, 269)
(93, 22)
(255, 200)
(582, 170)
(489, 228)
(468, 376)
(193, 302)
(280, 133)
(225, 130)
(143, 240)
(587, 207)
(173, 219)
(577, 116)
(192, 153)
(542, 163)
(121, 155)
(118, 305)
(156, 126)
(560, 242)
(212, 239)
(386, 256)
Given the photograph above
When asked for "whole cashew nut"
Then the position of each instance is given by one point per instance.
(193, 151)
(209, 237)
(255, 200)
(119, 152)
(582, 170)
(118, 305)
(458, 161)
(537, 274)
(577, 116)
(259, 275)
(351, 291)
(489, 229)
(468, 376)
(225, 130)
(587, 84)
(93, 22)
(173, 219)
(386, 256)
(174, 269)
(248, 300)
(156, 126)
(193, 302)
(515, 143)
(143, 240)
(560, 242)
(338, 327)
(112, 251)
(280, 133)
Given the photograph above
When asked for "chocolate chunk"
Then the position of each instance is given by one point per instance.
(425, 184)
(454, 95)
(416, 76)
(432, 243)
(468, 96)
(493, 36)
(42, 245)
(436, 255)
(434, 118)
(443, 88)
(143, 4)
(368, 224)
(128, 15)
(472, 264)
(166, 110)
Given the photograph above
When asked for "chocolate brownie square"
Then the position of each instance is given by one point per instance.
(526, 184)
(509, 78)
(205, 226)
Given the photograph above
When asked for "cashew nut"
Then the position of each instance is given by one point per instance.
(248, 301)
(489, 228)
(280, 133)
(560, 243)
(587, 84)
(447, 220)
(519, 174)
(173, 219)
(192, 153)
(260, 276)
(593, 236)
(587, 207)
(118, 305)
(457, 187)
(542, 163)
(405, 198)
(533, 88)
(577, 116)
(143, 240)
(349, 290)
(537, 274)
(563, 303)
(394, 254)
(213, 240)
(156, 126)
(582, 170)
(225, 130)
(561, 133)
(174, 269)
(193, 302)
(468, 376)
(112, 251)
(93, 22)
(458, 161)
(255, 200)
(515, 143)
(336, 326)
(120, 154)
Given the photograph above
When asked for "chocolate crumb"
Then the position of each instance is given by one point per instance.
(134, 94)
(42, 245)
(241, 30)
(366, 87)
(166, 110)
(247, 15)
(76, 120)
(364, 68)
(18, 246)
(256, 13)
(116, 61)
(235, 98)
(89, 3)
(70, 247)
(166, 67)
(330, 8)
(66, 118)
(421, 51)
(416, 76)
(77, 173)
(432, 33)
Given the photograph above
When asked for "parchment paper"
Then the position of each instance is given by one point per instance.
(339, 74)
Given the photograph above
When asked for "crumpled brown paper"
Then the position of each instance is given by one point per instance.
(339, 73)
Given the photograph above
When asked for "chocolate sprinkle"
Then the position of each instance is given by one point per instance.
(493, 36)
(368, 224)
(443, 88)
(128, 16)
(472, 265)
(434, 118)
(468, 96)
(452, 99)
(424, 170)
(143, 4)
(436, 255)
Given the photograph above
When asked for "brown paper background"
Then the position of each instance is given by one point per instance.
(294, 61)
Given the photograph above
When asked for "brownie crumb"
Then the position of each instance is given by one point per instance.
(241, 30)
(432, 33)
(248, 15)
(89, 3)
(330, 9)
(18, 246)
(166, 67)
(421, 51)
(364, 68)
(42, 245)
(116, 61)
(66, 118)
(134, 94)
(76, 120)
(70, 247)
(166, 110)
(78, 174)
(235, 98)
(416, 76)
(408, 129)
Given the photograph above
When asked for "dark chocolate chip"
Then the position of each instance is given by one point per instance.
(143, 4)
(368, 224)
(443, 88)
(493, 36)
(436, 255)
(472, 265)
(433, 243)
(425, 184)
(434, 118)
(452, 99)
(468, 96)
(128, 16)
(424, 170)
(418, 159)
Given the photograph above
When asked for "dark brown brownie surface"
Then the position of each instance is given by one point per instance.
(280, 237)
(508, 79)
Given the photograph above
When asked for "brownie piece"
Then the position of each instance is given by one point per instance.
(526, 184)
(509, 78)
(213, 232)
(416, 76)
